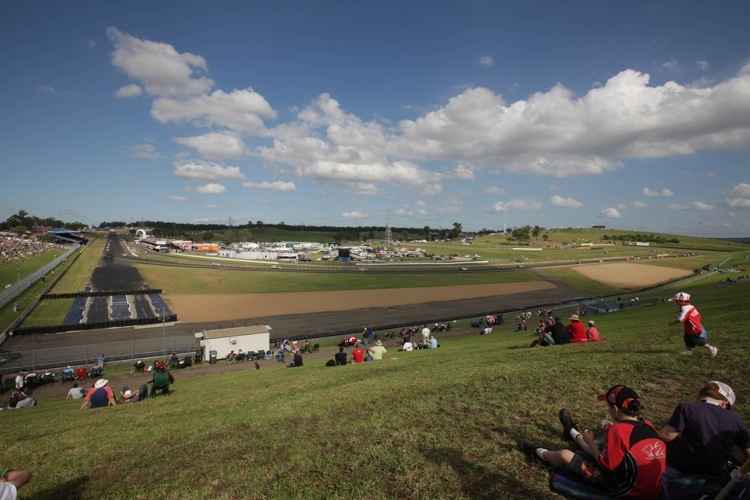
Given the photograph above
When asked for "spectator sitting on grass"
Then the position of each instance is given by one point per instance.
(576, 330)
(632, 460)
(408, 346)
(377, 351)
(592, 333)
(100, 396)
(358, 354)
(557, 332)
(341, 357)
(297, 361)
(433, 342)
(700, 434)
(75, 392)
(19, 399)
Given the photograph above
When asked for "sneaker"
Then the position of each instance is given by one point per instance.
(567, 422)
(528, 448)
(687, 352)
(713, 350)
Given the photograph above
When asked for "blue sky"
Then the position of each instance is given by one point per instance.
(633, 115)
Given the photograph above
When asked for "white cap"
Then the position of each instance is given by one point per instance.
(681, 297)
(725, 391)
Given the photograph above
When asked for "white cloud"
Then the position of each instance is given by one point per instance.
(672, 65)
(677, 207)
(663, 192)
(240, 110)
(365, 189)
(204, 171)
(559, 201)
(211, 206)
(215, 145)
(461, 172)
(554, 133)
(611, 212)
(129, 91)
(739, 196)
(158, 66)
(494, 190)
(699, 205)
(211, 188)
(632, 204)
(280, 186)
(147, 151)
(177, 199)
(354, 215)
(486, 61)
(48, 89)
(702, 65)
(517, 204)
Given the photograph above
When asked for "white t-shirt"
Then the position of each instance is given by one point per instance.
(408, 346)
(8, 491)
(75, 393)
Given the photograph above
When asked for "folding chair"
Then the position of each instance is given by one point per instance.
(160, 382)
(81, 374)
(315, 347)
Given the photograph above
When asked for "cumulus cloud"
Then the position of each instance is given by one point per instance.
(611, 212)
(699, 205)
(204, 171)
(555, 133)
(177, 199)
(559, 201)
(739, 196)
(632, 204)
(211, 188)
(158, 66)
(354, 215)
(147, 151)
(215, 145)
(129, 91)
(493, 190)
(663, 192)
(517, 204)
(486, 61)
(242, 110)
(677, 207)
(280, 186)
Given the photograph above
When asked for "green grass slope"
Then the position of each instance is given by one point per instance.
(426, 424)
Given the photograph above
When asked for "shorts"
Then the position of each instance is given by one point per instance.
(587, 469)
(695, 340)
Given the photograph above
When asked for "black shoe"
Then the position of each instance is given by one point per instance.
(567, 422)
(528, 448)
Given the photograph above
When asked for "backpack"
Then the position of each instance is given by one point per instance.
(331, 362)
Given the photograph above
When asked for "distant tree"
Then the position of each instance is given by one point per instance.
(545, 236)
(427, 233)
(457, 230)
(207, 236)
(19, 230)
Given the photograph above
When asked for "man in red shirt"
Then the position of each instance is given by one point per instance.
(576, 330)
(358, 354)
(633, 459)
(695, 332)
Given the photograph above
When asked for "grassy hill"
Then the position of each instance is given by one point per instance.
(426, 424)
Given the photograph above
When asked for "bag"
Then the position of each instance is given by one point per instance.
(331, 362)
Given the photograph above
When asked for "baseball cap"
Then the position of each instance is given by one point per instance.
(621, 396)
(681, 297)
(724, 390)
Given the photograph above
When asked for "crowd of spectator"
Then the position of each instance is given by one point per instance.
(15, 249)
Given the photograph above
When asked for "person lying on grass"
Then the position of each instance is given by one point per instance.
(630, 463)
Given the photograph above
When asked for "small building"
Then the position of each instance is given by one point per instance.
(248, 338)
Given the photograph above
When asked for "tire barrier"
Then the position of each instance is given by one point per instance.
(99, 325)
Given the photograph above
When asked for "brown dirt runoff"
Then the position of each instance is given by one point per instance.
(224, 307)
(630, 275)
